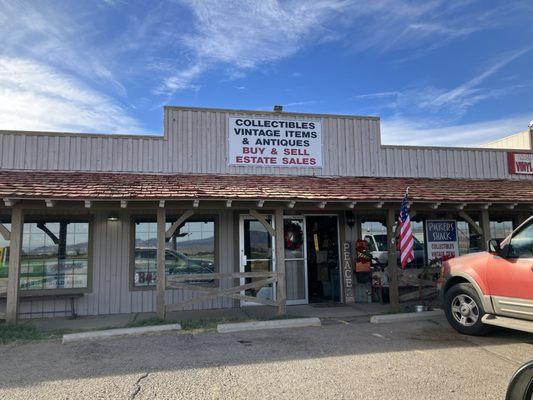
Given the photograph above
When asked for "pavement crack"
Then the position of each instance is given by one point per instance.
(137, 386)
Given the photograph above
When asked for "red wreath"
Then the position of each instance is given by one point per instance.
(293, 236)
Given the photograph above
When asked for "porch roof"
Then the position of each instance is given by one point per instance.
(130, 186)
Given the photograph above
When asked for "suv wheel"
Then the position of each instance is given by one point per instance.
(464, 310)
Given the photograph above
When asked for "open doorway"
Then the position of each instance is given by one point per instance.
(323, 269)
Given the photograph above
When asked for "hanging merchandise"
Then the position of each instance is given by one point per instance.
(363, 256)
(315, 240)
(294, 237)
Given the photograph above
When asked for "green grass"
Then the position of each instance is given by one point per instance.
(10, 333)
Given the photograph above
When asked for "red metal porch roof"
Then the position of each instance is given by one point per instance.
(131, 186)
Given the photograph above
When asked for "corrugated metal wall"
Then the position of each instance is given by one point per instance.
(111, 292)
(196, 142)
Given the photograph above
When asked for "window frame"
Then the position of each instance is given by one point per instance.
(90, 242)
(509, 243)
(170, 218)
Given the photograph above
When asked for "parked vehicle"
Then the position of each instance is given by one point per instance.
(492, 287)
(377, 246)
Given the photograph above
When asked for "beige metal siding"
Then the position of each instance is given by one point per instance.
(518, 141)
(195, 141)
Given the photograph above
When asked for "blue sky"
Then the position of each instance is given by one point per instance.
(436, 72)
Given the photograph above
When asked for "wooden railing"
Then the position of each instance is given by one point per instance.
(180, 282)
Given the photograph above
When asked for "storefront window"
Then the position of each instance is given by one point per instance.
(469, 239)
(375, 234)
(500, 229)
(4, 260)
(191, 250)
(54, 255)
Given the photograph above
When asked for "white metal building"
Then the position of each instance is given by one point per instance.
(233, 207)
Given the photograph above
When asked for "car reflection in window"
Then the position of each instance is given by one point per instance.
(177, 263)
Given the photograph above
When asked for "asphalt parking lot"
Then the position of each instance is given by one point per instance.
(341, 360)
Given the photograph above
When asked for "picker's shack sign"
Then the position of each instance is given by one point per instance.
(520, 163)
(273, 142)
(442, 241)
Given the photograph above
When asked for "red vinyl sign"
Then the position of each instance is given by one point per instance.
(520, 163)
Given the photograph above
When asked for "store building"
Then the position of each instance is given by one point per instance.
(234, 208)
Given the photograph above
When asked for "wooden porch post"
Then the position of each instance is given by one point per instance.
(161, 276)
(280, 262)
(15, 246)
(392, 262)
(485, 227)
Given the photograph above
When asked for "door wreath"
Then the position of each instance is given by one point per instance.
(293, 236)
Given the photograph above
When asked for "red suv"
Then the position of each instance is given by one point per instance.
(493, 287)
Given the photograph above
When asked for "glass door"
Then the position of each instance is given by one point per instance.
(295, 259)
(256, 255)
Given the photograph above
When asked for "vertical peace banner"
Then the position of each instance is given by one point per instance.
(274, 142)
(442, 239)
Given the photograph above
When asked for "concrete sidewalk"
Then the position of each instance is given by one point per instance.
(322, 311)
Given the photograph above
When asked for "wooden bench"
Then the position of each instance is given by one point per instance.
(70, 296)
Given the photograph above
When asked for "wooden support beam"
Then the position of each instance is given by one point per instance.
(485, 227)
(470, 222)
(184, 217)
(15, 250)
(261, 218)
(392, 267)
(4, 232)
(280, 262)
(161, 278)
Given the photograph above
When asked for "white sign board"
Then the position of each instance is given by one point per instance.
(520, 163)
(275, 142)
(441, 238)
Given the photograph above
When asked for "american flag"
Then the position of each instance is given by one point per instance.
(407, 252)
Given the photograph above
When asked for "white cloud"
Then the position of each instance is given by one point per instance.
(53, 36)
(402, 131)
(247, 34)
(464, 91)
(34, 96)
(244, 35)
(445, 104)
(182, 80)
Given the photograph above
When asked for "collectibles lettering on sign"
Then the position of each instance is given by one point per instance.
(275, 142)
(520, 163)
(347, 273)
(442, 241)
